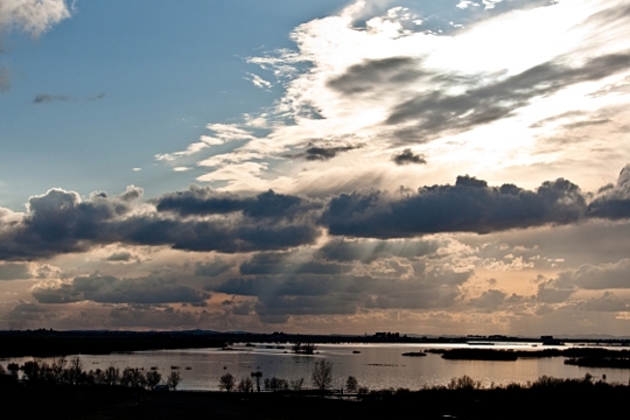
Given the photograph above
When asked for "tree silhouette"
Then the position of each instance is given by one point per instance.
(153, 379)
(352, 384)
(227, 382)
(322, 375)
(245, 385)
(174, 379)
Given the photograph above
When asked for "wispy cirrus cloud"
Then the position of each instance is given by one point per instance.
(379, 73)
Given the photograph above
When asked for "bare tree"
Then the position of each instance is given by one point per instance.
(322, 375)
(227, 382)
(245, 385)
(153, 379)
(174, 379)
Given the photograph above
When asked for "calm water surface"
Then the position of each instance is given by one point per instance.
(377, 366)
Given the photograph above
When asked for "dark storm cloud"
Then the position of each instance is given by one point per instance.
(468, 206)
(436, 113)
(107, 289)
(47, 99)
(371, 74)
(60, 222)
(205, 201)
(407, 157)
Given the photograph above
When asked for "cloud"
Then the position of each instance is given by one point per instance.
(46, 99)
(212, 268)
(122, 257)
(203, 219)
(607, 303)
(389, 78)
(322, 294)
(61, 222)
(321, 153)
(199, 201)
(613, 202)
(468, 206)
(594, 277)
(15, 271)
(489, 300)
(33, 16)
(139, 316)
(108, 289)
(435, 113)
(407, 157)
(370, 75)
(289, 263)
(369, 250)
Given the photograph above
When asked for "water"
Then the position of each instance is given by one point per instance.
(376, 366)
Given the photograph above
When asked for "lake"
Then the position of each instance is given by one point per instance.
(376, 366)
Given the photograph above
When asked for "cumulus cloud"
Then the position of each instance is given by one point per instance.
(33, 16)
(203, 219)
(407, 157)
(62, 222)
(489, 300)
(613, 202)
(108, 289)
(468, 206)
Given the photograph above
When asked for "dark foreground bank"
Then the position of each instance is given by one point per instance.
(548, 398)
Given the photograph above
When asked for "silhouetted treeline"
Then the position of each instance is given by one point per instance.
(463, 398)
(44, 343)
(70, 372)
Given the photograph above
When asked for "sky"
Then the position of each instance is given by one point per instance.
(339, 166)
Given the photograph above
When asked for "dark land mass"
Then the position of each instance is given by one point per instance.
(599, 362)
(615, 358)
(42, 343)
(546, 400)
(415, 354)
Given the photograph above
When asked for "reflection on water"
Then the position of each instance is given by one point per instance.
(377, 366)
